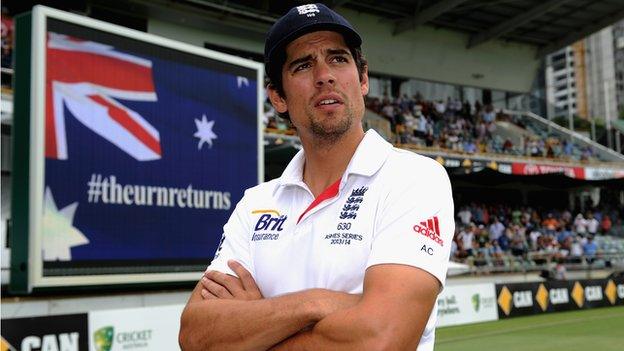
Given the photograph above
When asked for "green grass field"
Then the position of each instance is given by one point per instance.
(600, 329)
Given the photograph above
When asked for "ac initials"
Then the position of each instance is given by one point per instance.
(427, 249)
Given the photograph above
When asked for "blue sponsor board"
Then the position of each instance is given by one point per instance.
(521, 299)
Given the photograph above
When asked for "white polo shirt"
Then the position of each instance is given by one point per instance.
(391, 206)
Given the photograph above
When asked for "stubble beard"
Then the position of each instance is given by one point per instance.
(330, 130)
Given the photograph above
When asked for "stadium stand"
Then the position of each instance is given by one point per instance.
(459, 127)
(497, 237)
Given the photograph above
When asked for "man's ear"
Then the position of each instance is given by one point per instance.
(364, 81)
(278, 102)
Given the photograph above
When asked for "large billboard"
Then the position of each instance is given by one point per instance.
(465, 304)
(138, 329)
(138, 148)
(63, 332)
(521, 299)
(471, 164)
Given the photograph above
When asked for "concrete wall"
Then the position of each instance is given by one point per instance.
(425, 53)
(440, 55)
(223, 35)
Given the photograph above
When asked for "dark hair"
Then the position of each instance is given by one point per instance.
(275, 74)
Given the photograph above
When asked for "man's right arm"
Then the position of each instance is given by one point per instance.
(233, 315)
(228, 324)
(216, 318)
(216, 323)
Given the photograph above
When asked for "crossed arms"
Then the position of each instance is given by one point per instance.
(229, 313)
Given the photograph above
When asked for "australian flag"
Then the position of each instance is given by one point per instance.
(87, 78)
(148, 116)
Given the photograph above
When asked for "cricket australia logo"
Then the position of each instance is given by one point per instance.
(308, 10)
(352, 205)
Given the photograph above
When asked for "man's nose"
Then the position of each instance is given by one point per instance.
(323, 74)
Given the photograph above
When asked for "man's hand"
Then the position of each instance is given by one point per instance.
(391, 314)
(328, 302)
(217, 285)
(226, 312)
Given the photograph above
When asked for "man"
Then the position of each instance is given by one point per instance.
(592, 224)
(580, 224)
(496, 229)
(550, 224)
(465, 215)
(589, 249)
(348, 249)
(467, 238)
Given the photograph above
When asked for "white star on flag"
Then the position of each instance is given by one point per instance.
(204, 132)
(59, 235)
(240, 81)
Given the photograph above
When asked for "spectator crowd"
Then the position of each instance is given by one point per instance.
(463, 127)
(495, 234)
(456, 126)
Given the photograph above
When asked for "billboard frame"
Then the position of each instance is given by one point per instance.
(27, 200)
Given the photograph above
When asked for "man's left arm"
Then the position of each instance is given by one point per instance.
(391, 315)
(406, 270)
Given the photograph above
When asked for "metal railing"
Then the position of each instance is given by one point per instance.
(537, 262)
(604, 151)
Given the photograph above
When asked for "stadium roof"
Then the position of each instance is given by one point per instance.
(547, 24)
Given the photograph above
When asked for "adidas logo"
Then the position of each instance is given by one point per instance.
(431, 229)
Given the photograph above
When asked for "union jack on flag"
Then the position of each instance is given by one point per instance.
(87, 78)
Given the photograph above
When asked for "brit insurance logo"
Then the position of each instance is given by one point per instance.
(352, 205)
(269, 225)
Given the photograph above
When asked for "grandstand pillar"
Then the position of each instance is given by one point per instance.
(571, 200)
(609, 136)
(396, 86)
(486, 96)
(582, 201)
(586, 198)
(525, 197)
(618, 142)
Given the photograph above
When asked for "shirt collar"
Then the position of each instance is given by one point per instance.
(293, 174)
(369, 156)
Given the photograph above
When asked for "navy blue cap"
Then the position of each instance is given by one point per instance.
(302, 20)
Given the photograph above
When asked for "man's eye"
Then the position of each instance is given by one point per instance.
(340, 59)
(302, 66)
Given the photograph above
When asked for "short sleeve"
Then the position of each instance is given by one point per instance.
(415, 223)
(234, 244)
